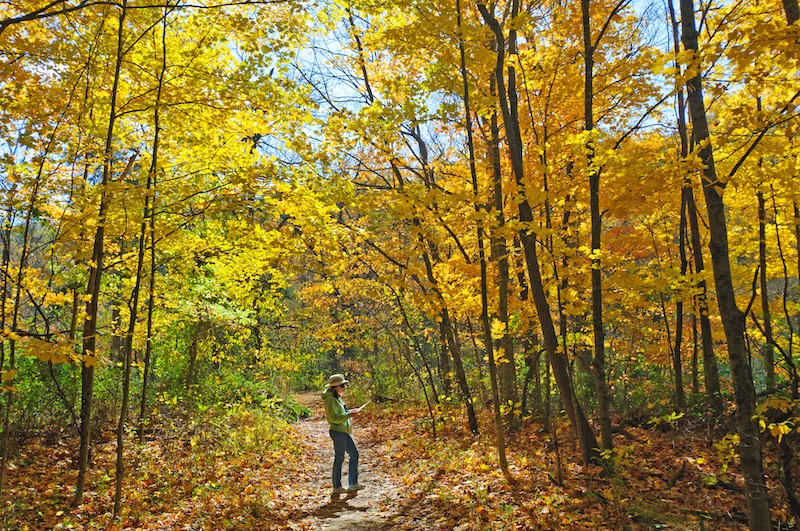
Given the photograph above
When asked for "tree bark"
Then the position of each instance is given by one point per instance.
(153, 176)
(89, 353)
(792, 11)
(117, 346)
(418, 346)
(732, 317)
(449, 332)
(599, 359)
(23, 259)
(710, 370)
(768, 350)
(484, 318)
(128, 350)
(7, 224)
(499, 254)
(191, 367)
(677, 365)
(557, 359)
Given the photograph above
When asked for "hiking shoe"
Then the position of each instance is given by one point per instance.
(353, 488)
(339, 490)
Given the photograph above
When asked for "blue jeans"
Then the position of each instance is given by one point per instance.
(343, 442)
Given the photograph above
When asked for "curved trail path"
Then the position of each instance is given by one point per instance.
(379, 506)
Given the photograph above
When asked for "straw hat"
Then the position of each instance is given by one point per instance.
(335, 380)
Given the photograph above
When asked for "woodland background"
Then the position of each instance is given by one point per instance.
(559, 225)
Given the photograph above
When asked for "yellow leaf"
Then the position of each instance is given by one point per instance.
(498, 329)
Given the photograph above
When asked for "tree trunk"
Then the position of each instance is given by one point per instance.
(128, 350)
(558, 360)
(796, 375)
(686, 188)
(153, 175)
(418, 346)
(790, 7)
(7, 224)
(192, 362)
(499, 253)
(449, 332)
(695, 381)
(20, 277)
(677, 365)
(710, 370)
(599, 359)
(732, 317)
(90, 354)
(447, 326)
(485, 325)
(117, 347)
(768, 349)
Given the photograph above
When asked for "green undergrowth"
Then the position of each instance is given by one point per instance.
(199, 467)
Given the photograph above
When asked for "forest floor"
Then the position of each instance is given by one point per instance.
(413, 482)
(243, 473)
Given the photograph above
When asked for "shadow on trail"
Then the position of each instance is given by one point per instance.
(336, 506)
(338, 514)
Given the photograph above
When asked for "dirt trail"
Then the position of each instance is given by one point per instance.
(376, 507)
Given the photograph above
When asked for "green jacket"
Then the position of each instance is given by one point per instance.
(336, 412)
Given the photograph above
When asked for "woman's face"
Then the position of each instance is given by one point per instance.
(340, 389)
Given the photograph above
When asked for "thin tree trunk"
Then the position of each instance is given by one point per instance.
(710, 370)
(563, 324)
(192, 364)
(449, 333)
(73, 320)
(478, 354)
(546, 398)
(686, 188)
(499, 254)
(732, 317)
(695, 381)
(447, 326)
(677, 365)
(23, 259)
(153, 175)
(148, 352)
(797, 242)
(90, 354)
(128, 349)
(8, 378)
(787, 354)
(407, 356)
(768, 349)
(117, 347)
(558, 361)
(7, 224)
(419, 347)
(599, 360)
(484, 318)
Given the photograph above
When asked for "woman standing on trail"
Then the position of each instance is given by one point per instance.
(338, 416)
